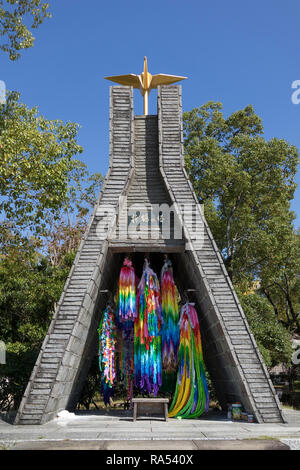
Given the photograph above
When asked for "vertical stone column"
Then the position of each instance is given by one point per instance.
(59, 372)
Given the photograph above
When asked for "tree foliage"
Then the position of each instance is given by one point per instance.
(38, 172)
(29, 288)
(14, 18)
(272, 338)
(280, 281)
(246, 184)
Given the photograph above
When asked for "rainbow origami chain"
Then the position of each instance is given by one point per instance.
(126, 313)
(107, 341)
(170, 330)
(191, 395)
(126, 292)
(147, 333)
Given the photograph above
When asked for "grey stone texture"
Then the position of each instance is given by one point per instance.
(109, 428)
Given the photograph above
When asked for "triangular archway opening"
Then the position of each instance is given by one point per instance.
(83, 391)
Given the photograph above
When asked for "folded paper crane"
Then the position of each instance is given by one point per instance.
(145, 82)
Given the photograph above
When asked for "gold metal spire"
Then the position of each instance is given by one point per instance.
(145, 81)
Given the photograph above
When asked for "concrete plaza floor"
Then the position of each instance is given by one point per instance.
(105, 430)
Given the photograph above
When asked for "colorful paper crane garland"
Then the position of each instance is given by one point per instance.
(170, 329)
(126, 287)
(150, 321)
(126, 308)
(191, 394)
(107, 342)
(147, 333)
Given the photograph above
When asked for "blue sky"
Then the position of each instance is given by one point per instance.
(235, 52)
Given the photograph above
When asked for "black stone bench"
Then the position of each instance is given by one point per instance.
(150, 405)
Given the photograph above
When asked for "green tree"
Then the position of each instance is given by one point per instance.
(272, 338)
(14, 17)
(246, 184)
(280, 281)
(29, 287)
(38, 174)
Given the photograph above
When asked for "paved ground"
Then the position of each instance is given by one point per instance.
(117, 430)
(176, 445)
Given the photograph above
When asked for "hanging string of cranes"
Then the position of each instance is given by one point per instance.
(161, 344)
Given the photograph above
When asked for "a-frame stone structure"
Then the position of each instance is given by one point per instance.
(147, 166)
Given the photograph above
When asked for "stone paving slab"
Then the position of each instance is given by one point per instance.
(151, 445)
(241, 444)
(294, 444)
(175, 445)
(121, 427)
(120, 436)
(173, 436)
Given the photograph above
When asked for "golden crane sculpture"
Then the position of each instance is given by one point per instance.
(145, 82)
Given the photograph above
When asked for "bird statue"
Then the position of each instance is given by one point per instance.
(145, 82)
